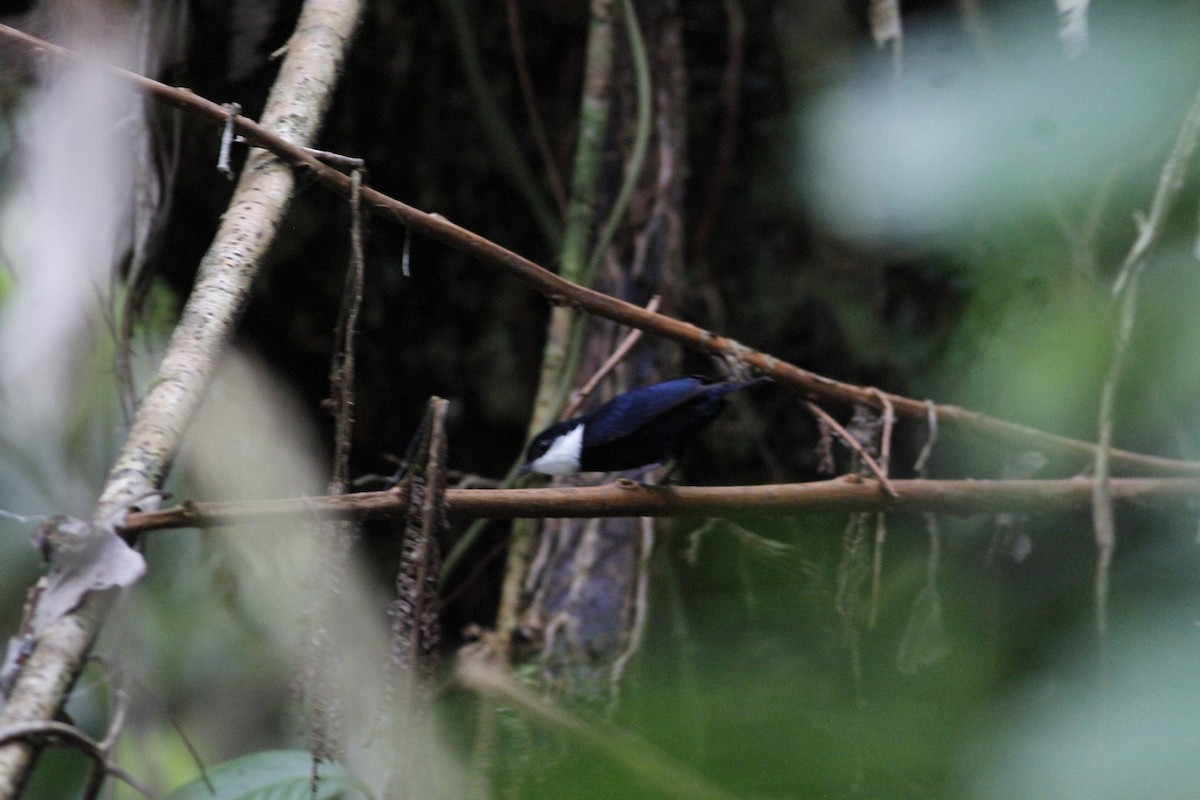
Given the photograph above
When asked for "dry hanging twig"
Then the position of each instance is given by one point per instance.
(885, 459)
(316, 684)
(854, 445)
(1170, 180)
(622, 350)
(414, 612)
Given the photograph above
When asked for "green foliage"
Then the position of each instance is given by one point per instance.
(272, 775)
(953, 260)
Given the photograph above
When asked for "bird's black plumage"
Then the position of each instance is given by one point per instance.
(640, 427)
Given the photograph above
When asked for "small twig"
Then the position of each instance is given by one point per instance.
(536, 126)
(115, 727)
(931, 422)
(853, 444)
(1170, 181)
(337, 159)
(754, 542)
(232, 110)
(188, 745)
(24, 519)
(885, 437)
(877, 568)
(641, 608)
(416, 446)
(477, 570)
(406, 253)
(885, 457)
(114, 676)
(50, 729)
(847, 601)
(433, 511)
(622, 350)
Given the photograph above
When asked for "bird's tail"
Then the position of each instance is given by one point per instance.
(733, 386)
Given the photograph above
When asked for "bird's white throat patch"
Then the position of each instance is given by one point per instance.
(563, 456)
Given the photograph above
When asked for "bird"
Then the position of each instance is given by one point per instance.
(642, 427)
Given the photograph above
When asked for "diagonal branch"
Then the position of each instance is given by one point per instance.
(563, 292)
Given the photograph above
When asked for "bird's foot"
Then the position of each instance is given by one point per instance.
(639, 476)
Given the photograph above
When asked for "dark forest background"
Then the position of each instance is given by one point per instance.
(942, 221)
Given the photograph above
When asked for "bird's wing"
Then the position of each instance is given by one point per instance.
(627, 412)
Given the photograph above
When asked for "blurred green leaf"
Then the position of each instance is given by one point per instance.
(274, 774)
(956, 139)
(925, 641)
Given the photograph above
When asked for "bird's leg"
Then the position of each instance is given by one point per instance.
(638, 474)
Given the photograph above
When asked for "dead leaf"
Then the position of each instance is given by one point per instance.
(83, 557)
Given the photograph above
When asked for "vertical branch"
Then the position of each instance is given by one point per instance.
(415, 610)
(500, 136)
(1103, 518)
(641, 139)
(924, 641)
(593, 127)
(342, 374)
(1170, 180)
(326, 714)
(581, 607)
(629, 183)
(157, 151)
(731, 101)
(593, 124)
(640, 612)
(885, 459)
(517, 42)
(852, 571)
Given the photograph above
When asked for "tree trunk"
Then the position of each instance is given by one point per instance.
(586, 588)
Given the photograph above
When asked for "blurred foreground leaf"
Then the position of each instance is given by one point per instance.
(275, 774)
